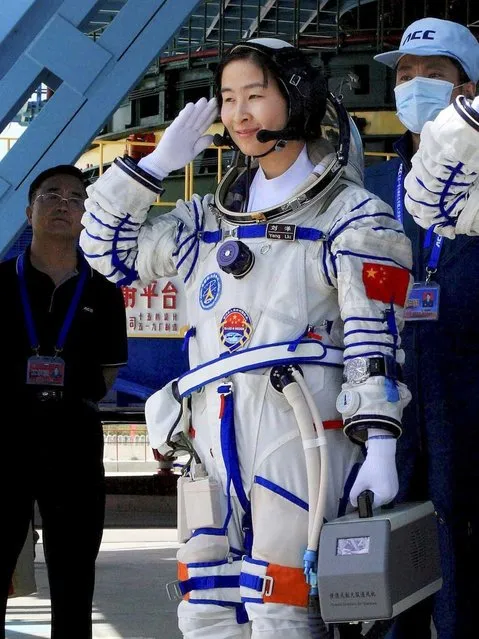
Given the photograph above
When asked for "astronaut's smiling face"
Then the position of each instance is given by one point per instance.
(251, 101)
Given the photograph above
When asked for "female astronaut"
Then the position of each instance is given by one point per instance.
(289, 268)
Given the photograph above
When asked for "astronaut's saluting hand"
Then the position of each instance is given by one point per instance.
(290, 270)
(183, 140)
(442, 186)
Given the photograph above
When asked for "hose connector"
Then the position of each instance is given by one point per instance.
(310, 566)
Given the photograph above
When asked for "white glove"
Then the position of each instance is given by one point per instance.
(378, 472)
(183, 140)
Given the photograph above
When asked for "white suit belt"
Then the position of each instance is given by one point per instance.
(306, 352)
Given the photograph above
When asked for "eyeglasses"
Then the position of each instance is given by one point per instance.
(54, 199)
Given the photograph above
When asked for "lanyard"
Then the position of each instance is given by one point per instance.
(27, 309)
(399, 196)
(431, 237)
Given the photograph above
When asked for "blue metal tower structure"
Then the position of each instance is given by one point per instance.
(47, 41)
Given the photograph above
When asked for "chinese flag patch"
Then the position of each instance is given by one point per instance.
(385, 283)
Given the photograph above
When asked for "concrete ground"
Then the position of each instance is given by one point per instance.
(136, 561)
(133, 568)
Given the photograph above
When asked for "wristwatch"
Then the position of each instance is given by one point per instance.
(359, 369)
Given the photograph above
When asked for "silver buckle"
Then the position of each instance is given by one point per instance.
(230, 233)
(267, 589)
(173, 591)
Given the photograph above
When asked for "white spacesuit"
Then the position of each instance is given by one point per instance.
(442, 187)
(273, 296)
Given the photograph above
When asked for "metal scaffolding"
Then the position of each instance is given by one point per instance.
(328, 25)
(46, 42)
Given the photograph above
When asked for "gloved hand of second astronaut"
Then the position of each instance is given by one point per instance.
(378, 472)
(183, 140)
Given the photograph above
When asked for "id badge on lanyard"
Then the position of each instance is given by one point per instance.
(424, 297)
(423, 302)
(45, 370)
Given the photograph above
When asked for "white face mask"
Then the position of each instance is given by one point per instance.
(420, 100)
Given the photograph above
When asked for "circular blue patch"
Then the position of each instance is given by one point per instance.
(210, 291)
(235, 329)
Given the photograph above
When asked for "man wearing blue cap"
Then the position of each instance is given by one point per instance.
(437, 61)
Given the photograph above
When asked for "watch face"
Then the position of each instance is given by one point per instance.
(356, 370)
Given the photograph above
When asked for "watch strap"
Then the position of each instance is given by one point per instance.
(385, 366)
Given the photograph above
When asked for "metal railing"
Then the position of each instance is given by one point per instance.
(189, 169)
(380, 154)
(101, 147)
(104, 146)
(127, 449)
(6, 144)
(8, 141)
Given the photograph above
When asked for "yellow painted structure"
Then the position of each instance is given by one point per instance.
(103, 152)
(378, 123)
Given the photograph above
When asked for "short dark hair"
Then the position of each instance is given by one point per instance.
(60, 169)
(463, 77)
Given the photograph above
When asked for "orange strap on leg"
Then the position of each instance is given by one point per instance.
(288, 586)
(183, 576)
(261, 582)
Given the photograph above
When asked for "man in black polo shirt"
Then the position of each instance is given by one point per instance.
(62, 339)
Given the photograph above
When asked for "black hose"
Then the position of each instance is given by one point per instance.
(379, 629)
(317, 627)
(350, 630)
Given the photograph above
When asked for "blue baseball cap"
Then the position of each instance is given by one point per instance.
(432, 36)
